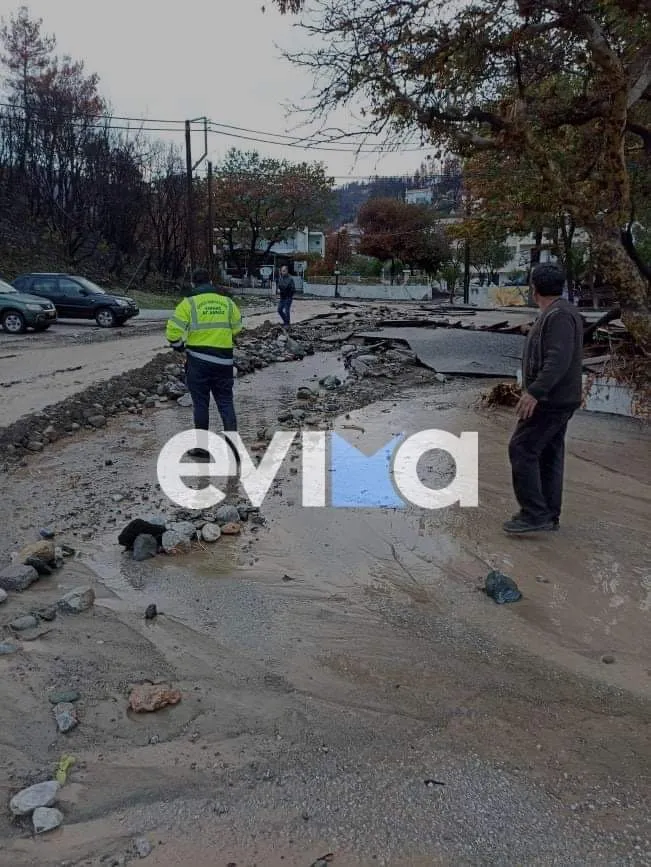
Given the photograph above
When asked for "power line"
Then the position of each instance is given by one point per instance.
(105, 122)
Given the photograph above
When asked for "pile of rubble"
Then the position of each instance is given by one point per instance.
(36, 561)
(146, 537)
(162, 379)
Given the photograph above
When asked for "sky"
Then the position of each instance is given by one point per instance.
(215, 58)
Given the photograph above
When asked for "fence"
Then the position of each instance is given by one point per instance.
(373, 291)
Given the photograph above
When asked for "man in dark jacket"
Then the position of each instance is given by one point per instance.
(286, 290)
(552, 392)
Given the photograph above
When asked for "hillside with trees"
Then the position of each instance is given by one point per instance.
(83, 189)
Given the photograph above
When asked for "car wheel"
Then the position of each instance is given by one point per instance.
(105, 318)
(14, 322)
(43, 327)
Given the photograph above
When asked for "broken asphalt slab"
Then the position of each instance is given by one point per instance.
(457, 351)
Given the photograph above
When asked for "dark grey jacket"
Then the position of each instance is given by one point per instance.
(286, 287)
(552, 362)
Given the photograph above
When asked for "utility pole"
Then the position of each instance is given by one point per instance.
(190, 168)
(190, 216)
(211, 228)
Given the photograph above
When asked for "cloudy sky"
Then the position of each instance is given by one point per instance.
(218, 58)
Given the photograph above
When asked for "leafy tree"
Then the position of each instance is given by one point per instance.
(507, 77)
(397, 232)
(258, 198)
(338, 250)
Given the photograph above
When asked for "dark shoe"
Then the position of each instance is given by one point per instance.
(519, 525)
(199, 453)
(518, 517)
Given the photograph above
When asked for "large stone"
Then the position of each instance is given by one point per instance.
(330, 382)
(145, 547)
(210, 532)
(41, 566)
(77, 600)
(183, 528)
(7, 649)
(42, 550)
(295, 348)
(232, 529)
(3, 596)
(174, 543)
(137, 528)
(227, 514)
(40, 795)
(149, 697)
(175, 389)
(20, 624)
(17, 578)
(97, 420)
(46, 819)
(65, 716)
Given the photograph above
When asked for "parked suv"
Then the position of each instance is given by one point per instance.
(19, 311)
(78, 298)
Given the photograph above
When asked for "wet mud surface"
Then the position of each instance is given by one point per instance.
(334, 660)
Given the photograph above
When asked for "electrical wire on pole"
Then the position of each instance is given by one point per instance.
(190, 169)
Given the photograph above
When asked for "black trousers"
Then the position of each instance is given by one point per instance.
(203, 379)
(537, 455)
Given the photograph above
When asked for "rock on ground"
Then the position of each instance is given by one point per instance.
(210, 532)
(138, 527)
(41, 566)
(186, 529)
(42, 550)
(66, 717)
(143, 847)
(227, 515)
(145, 547)
(17, 578)
(174, 542)
(6, 649)
(232, 529)
(46, 819)
(41, 795)
(185, 400)
(3, 596)
(149, 697)
(27, 621)
(77, 600)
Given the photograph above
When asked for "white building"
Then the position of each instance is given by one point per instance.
(301, 242)
(419, 197)
(519, 247)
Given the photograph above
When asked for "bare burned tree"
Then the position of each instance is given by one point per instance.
(507, 76)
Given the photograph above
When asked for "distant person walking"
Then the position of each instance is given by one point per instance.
(205, 326)
(552, 392)
(286, 289)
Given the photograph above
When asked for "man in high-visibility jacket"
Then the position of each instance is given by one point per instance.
(204, 326)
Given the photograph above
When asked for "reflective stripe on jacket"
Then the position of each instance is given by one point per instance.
(207, 324)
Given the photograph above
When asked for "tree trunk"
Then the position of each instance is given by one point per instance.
(533, 261)
(631, 289)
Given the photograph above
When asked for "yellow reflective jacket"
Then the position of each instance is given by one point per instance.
(205, 326)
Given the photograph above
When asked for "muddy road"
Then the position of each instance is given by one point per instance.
(36, 369)
(346, 687)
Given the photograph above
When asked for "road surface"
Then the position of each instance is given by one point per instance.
(39, 370)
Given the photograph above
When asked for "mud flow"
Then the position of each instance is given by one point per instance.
(347, 690)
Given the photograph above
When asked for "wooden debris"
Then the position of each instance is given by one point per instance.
(503, 394)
